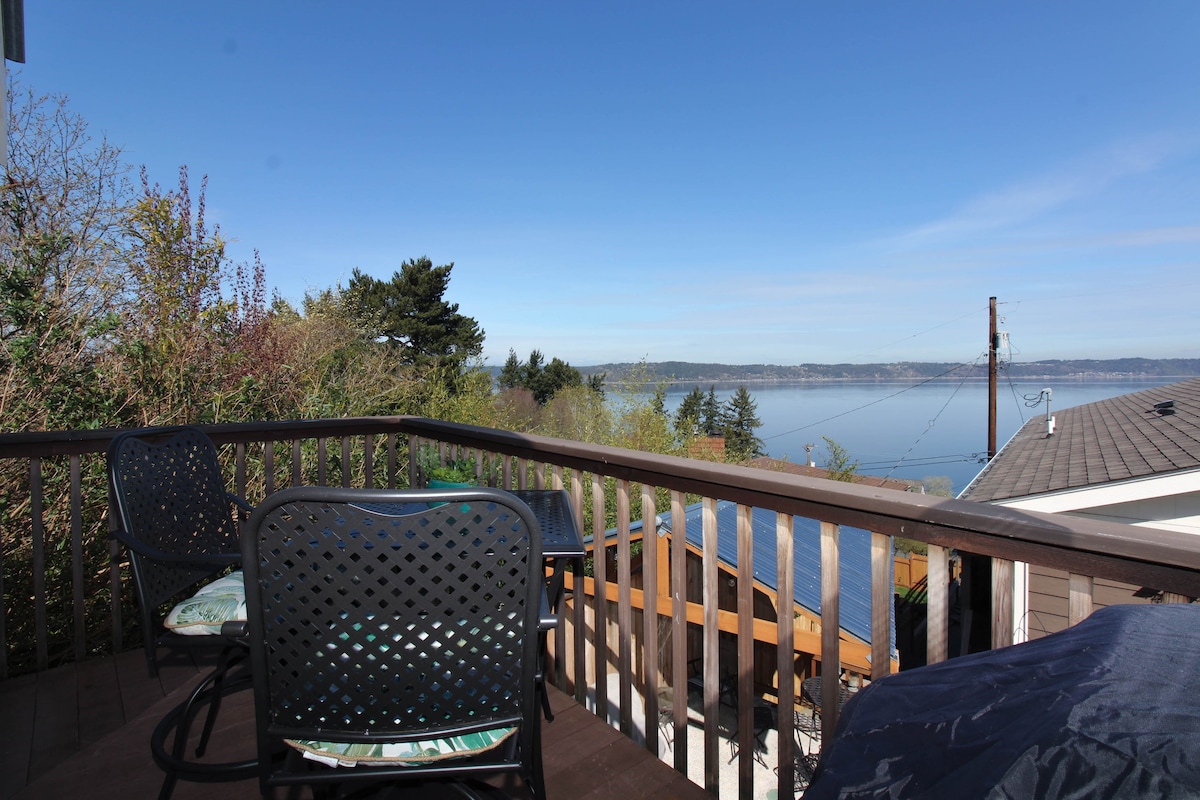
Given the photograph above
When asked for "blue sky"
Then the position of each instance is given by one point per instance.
(734, 182)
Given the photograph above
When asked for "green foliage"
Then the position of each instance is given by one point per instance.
(191, 349)
(60, 213)
(409, 312)
(689, 415)
(641, 424)
(938, 485)
(837, 462)
(713, 413)
(741, 420)
(453, 470)
(543, 382)
(903, 545)
(510, 375)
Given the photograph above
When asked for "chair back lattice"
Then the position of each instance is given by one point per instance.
(169, 494)
(376, 617)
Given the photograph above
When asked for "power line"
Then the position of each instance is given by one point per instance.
(874, 402)
(927, 330)
(928, 427)
(947, 458)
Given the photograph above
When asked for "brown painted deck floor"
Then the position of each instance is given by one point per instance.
(84, 730)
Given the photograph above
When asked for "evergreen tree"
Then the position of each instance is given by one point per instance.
(713, 413)
(741, 420)
(510, 376)
(408, 312)
(557, 375)
(658, 402)
(595, 383)
(689, 414)
(542, 381)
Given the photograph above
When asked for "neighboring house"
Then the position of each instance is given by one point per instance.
(810, 471)
(1133, 459)
(855, 582)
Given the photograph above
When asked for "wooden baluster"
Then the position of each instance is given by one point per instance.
(624, 609)
(600, 572)
(1080, 594)
(679, 628)
(711, 638)
(650, 679)
(77, 589)
(745, 649)
(938, 608)
(882, 605)
(785, 614)
(831, 661)
(1002, 602)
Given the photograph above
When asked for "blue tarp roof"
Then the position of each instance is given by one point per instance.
(854, 560)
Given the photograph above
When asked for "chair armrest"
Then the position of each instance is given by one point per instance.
(239, 502)
(235, 628)
(142, 549)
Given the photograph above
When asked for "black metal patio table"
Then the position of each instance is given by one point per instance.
(561, 542)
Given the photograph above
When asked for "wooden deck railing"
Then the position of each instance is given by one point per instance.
(54, 522)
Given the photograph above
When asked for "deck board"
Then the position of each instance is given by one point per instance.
(117, 705)
(56, 724)
(18, 699)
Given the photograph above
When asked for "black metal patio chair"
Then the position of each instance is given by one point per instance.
(393, 640)
(171, 511)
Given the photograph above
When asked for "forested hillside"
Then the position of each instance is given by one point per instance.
(685, 372)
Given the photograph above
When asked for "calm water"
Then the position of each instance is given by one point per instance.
(905, 430)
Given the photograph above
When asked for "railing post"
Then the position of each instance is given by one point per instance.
(937, 617)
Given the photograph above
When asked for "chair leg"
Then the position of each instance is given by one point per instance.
(168, 786)
(543, 660)
(229, 658)
(538, 782)
(180, 720)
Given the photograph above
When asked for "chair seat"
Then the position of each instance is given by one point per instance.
(351, 754)
(212, 605)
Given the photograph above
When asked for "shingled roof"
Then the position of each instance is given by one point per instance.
(779, 465)
(1151, 432)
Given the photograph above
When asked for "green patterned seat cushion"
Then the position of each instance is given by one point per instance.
(335, 754)
(213, 604)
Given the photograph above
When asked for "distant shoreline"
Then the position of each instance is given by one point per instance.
(679, 372)
(1082, 378)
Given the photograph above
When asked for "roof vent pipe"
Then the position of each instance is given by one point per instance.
(1046, 394)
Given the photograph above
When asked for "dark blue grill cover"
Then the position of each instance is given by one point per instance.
(1107, 709)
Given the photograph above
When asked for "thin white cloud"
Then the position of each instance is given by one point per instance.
(1021, 202)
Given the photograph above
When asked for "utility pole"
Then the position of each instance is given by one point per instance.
(12, 31)
(991, 440)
